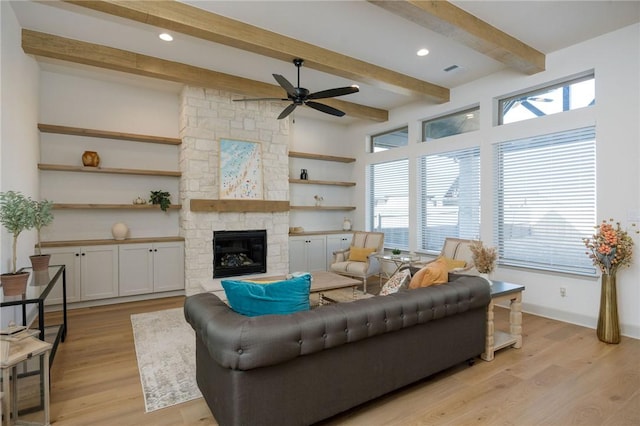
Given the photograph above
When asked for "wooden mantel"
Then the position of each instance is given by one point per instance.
(252, 206)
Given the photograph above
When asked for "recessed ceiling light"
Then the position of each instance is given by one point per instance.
(422, 52)
(166, 37)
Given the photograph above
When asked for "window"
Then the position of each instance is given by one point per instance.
(545, 195)
(389, 201)
(389, 140)
(565, 96)
(449, 197)
(452, 124)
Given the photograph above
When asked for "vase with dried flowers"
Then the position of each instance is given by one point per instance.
(610, 248)
(484, 258)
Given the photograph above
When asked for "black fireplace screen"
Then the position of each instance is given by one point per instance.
(239, 253)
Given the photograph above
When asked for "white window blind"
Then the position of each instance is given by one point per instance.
(545, 200)
(389, 201)
(449, 197)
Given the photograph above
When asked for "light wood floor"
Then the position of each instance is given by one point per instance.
(562, 376)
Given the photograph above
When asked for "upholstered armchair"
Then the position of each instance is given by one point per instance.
(457, 249)
(359, 259)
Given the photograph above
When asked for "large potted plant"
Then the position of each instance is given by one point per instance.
(42, 217)
(16, 215)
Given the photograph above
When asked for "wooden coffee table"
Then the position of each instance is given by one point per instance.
(326, 281)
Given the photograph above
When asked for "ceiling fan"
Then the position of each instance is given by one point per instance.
(301, 96)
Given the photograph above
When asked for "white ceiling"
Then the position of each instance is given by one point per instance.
(355, 28)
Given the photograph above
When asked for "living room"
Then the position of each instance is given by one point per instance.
(95, 99)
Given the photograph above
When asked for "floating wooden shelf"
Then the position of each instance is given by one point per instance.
(63, 206)
(78, 131)
(295, 154)
(64, 168)
(145, 240)
(321, 182)
(201, 205)
(322, 208)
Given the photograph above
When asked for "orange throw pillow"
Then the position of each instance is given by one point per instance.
(434, 273)
(360, 254)
(453, 263)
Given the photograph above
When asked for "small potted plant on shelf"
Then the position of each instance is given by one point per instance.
(396, 252)
(16, 215)
(42, 217)
(161, 197)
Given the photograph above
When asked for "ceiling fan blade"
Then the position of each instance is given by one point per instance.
(332, 93)
(324, 108)
(288, 110)
(284, 83)
(259, 99)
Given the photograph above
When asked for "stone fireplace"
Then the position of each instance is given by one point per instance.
(239, 253)
(206, 116)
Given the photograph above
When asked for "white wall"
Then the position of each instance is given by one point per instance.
(18, 135)
(75, 99)
(319, 136)
(615, 59)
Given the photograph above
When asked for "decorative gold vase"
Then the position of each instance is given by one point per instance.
(608, 324)
(90, 159)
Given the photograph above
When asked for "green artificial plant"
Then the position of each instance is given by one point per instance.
(161, 197)
(16, 215)
(42, 217)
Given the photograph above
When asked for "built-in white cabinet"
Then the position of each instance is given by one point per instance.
(336, 242)
(308, 253)
(104, 271)
(91, 272)
(151, 268)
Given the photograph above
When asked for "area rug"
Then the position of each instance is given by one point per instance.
(165, 348)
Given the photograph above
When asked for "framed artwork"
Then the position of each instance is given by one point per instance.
(240, 170)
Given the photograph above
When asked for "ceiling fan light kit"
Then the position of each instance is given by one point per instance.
(301, 96)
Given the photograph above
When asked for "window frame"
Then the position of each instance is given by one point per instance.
(463, 111)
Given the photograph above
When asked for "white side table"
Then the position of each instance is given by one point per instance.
(21, 350)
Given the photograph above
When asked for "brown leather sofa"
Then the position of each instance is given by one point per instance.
(301, 368)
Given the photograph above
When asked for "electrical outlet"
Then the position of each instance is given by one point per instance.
(563, 292)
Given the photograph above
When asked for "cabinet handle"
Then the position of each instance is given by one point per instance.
(83, 254)
(77, 254)
(150, 250)
(156, 250)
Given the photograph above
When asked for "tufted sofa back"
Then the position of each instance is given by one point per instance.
(242, 343)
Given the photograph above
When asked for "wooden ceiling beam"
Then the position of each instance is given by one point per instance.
(55, 47)
(180, 17)
(453, 22)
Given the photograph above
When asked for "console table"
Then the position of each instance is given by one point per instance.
(38, 289)
(501, 292)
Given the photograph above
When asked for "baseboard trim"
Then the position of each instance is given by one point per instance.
(627, 330)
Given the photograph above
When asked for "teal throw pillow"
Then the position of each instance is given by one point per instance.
(280, 297)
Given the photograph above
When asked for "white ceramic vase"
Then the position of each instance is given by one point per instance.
(486, 277)
(119, 231)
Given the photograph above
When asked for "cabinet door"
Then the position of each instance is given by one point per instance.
(99, 272)
(316, 248)
(297, 254)
(135, 264)
(70, 258)
(168, 266)
(336, 242)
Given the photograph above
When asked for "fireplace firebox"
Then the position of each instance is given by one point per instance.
(239, 253)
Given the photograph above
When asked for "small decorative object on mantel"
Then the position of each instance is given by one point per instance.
(139, 201)
(119, 231)
(484, 259)
(319, 199)
(346, 224)
(303, 174)
(90, 159)
(16, 215)
(161, 197)
(610, 248)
